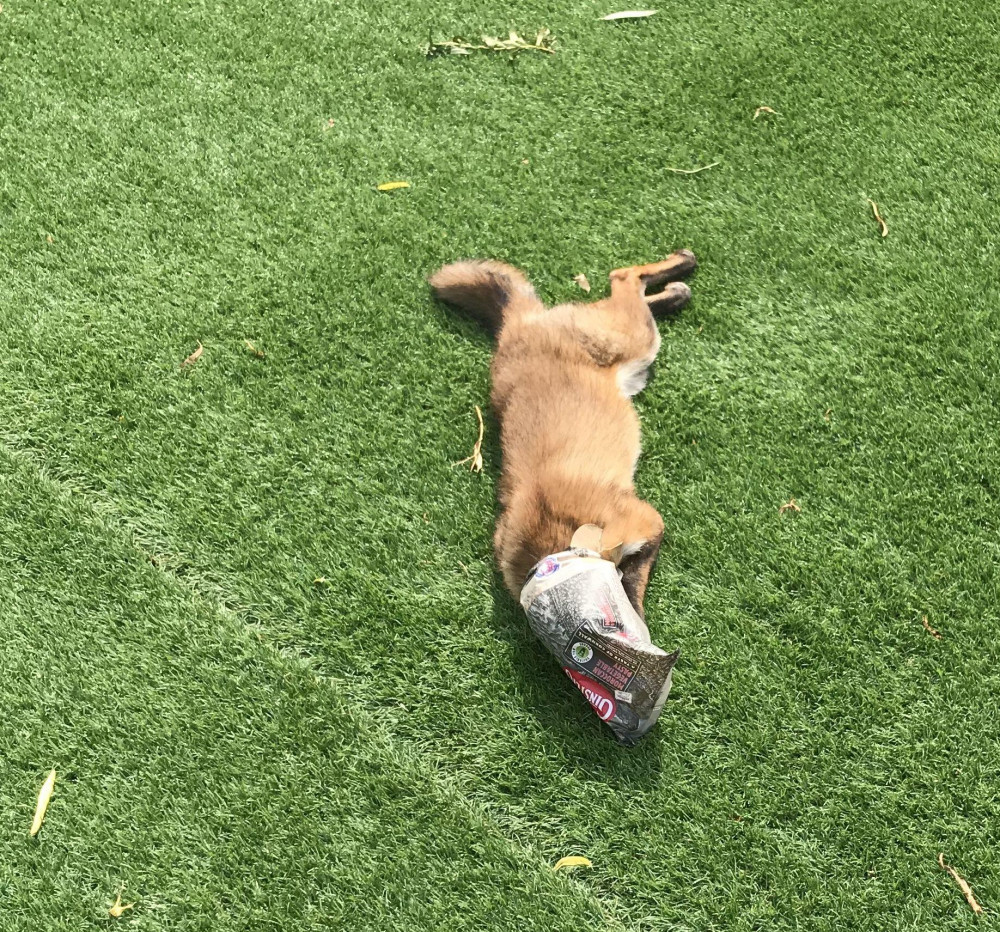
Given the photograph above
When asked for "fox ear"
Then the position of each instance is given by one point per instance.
(588, 537)
(616, 553)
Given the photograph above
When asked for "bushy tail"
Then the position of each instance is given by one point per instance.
(488, 290)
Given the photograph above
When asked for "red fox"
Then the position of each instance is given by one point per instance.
(562, 383)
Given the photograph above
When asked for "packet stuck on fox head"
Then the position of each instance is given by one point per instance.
(577, 606)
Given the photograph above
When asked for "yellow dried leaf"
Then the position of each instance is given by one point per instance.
(44, 795)
(116, 909)
(194, 357)
(581, 280)
(574, 860)
(392, 186)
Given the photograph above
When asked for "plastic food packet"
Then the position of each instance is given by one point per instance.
(577, 606)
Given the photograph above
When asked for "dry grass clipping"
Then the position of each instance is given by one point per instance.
(629, 14)
(260, 354)
(513, 43)
(962, 885)
(690, 171)
(878, 217)
(761, 110)
(929, 629)
(44, 795)
(194, 357)
(475, 459)
(116, 909)
(790, 505)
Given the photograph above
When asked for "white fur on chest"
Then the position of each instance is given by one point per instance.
(633, 375)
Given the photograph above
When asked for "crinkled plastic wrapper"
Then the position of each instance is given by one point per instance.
(577, 606)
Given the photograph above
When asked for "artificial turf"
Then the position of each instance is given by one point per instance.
(177, 174)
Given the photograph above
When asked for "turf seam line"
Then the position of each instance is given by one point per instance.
(110, 519)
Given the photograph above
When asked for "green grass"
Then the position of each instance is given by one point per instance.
(226, 786)
(245, 749)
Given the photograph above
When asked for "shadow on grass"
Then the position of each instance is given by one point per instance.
(564, 718)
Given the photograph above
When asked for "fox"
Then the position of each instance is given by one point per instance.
(562, 383)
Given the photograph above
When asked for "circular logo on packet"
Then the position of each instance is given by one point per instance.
(547, 567)
(582, 652)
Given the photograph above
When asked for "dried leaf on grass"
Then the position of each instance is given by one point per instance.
(194, 357)
(629, 14)
(962, 885)
(790, 505)
(44, 795)
(544, 42)
(475, 459)
(392, 186)
(116, 909)
(49, 239)
(827, 413)
(761, 110)
(929, 629)
(581, 280)
(574, 860)
(690, 171)
(878, 217)
(260, 354)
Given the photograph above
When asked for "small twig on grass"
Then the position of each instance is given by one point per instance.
(761, 110)
(476, 457)
(690, 171)
(962, 885)
(878, 217)
(513, 43)
(790, 505)
(929, 629)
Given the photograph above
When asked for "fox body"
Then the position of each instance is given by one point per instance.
(562, 385)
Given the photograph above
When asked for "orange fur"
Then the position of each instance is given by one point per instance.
(562, 384)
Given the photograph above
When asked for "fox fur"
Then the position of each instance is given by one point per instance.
(562, 385)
